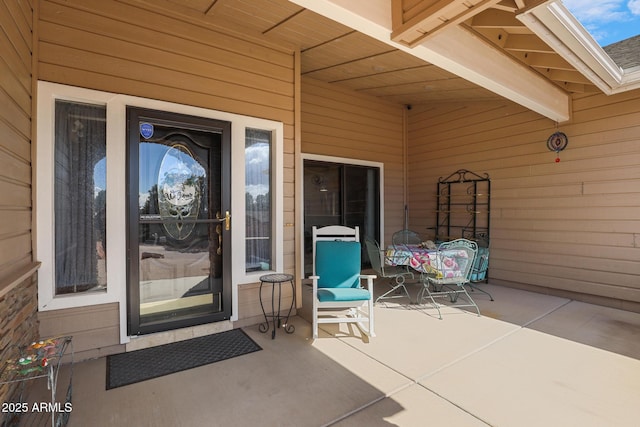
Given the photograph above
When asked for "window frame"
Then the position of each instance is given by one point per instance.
(271, 183)
(300, 204)
(44, 249)
(116, 105)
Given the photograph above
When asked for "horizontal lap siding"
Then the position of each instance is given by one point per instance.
(15, 137)
(341, 123)
(115, 47)
(570, 226)
(18, 294)
(100, 332)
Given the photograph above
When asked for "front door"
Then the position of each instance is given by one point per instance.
(178, 220)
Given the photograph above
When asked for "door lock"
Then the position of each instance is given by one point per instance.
(226, 219)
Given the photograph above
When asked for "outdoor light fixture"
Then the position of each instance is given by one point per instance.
(320, 182)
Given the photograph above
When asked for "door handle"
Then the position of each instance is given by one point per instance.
(227, 226)
(226, 219)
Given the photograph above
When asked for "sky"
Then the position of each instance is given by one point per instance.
(608, 21)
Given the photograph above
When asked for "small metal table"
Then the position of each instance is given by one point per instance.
(41, 359)
(277, 278)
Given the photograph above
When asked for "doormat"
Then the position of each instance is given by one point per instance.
(141, 365)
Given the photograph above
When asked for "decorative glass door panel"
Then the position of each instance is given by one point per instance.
(179, 221)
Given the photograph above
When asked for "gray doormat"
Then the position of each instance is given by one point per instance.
(141, 365)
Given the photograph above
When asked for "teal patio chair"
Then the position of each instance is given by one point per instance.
(338, 295)
(332, 233)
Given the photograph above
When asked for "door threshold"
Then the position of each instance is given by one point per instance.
(139, 342)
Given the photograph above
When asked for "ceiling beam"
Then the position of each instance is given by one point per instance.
(495, 18)
(428, 17)
(507, 6)
(546, 60)
(568, 76)
(458, 50)
(526, 43)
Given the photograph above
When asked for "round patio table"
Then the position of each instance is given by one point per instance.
(276, 279)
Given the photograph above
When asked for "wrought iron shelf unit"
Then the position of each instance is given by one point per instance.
(463, 211)
(466, 189)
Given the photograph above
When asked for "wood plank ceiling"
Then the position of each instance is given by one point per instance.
(334, 53)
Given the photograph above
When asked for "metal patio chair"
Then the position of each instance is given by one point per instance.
(405, 238)
(451, 266)
(384, 268)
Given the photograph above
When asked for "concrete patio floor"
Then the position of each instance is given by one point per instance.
(529, 360)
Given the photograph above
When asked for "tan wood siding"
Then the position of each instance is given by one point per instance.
(249, 303)
(111, 46)
(342, 123)
(100, 332)
(123, 48)
(569, 226)
(18, 283)
(15, 137)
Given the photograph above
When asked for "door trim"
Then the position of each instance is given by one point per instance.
(300, 204)
(134, 115)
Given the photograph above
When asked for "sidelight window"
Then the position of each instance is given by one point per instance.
(259, 243)
(80, 197)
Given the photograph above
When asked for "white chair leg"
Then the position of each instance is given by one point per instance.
(372, 332)
(315, 325)
(314, 297)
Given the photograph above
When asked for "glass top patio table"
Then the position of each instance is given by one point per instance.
(426, 260)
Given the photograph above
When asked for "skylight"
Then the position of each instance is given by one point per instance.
(608, 21)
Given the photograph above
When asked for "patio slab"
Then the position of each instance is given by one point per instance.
(514, 305)
(603, 327)
(419, 407)
(415, 343)
(463, 370)
(531, 378)
(291, 382)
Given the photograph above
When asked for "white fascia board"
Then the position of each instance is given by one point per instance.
(458, 51)
(557, 26)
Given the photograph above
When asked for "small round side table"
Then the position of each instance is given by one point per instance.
(277, 279)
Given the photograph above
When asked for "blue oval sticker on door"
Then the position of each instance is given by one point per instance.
(146, 130)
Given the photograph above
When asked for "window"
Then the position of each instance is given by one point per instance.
(80, 197)
(258, 199)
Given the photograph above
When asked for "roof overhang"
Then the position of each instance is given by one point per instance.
(556, 26)
(458, 50)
